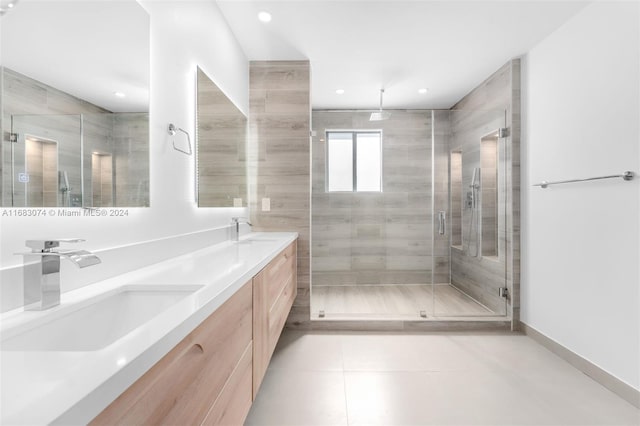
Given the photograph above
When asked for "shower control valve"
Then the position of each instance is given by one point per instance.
(469, 202)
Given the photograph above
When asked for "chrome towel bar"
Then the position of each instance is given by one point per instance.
(625, 176)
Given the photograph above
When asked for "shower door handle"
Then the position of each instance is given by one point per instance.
(442, 222)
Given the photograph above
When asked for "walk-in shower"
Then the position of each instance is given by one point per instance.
(431, 243)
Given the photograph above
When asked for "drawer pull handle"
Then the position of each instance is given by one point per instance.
(199, 347)
(279, 263)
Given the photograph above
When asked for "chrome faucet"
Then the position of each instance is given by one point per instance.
(42, 278)
(235, 227)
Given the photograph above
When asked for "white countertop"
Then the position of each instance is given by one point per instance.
(39, 387)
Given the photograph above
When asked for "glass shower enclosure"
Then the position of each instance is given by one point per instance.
(430, 242)
(77, 160)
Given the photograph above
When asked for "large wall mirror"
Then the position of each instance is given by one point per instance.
(75, 99)
(221, 147)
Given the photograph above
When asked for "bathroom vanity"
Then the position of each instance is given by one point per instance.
(200, 360)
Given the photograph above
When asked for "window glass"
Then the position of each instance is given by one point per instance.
(340, 161)
(368, 161)
(354, 161)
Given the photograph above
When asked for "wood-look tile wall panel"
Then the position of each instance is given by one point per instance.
(222, 142)
(475, 116)
(97, 137)
(377, 238)
(441, 242)
(513, 195)
(131, 141)
(279, 160)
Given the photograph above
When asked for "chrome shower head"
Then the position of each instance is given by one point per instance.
(380, 115)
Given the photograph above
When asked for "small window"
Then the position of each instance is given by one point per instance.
(354, 161)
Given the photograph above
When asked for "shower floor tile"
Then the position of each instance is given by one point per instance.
(398, 301)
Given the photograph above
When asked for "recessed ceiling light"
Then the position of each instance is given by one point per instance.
(10, 5)
(423, 91)
(119, 94)
(340, 91)
(264, 16)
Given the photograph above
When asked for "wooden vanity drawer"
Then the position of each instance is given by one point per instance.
(279, 272)
(274, 290)
(186, 385)
(280, 311)
(235, 400)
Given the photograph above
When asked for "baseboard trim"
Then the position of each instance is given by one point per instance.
(615, 385)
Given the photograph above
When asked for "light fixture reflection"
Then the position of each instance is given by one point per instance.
(264, 16)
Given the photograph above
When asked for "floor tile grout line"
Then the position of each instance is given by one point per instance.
(344, 378)
(346, 402)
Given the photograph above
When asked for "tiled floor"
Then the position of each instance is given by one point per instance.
(397, 301)
(428, 379)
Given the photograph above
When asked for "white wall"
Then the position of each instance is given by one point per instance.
(581, 242)
(183, 34)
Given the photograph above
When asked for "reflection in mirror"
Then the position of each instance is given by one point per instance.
(75, 108)
(221, 147)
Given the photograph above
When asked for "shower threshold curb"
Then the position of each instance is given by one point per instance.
(501, 324)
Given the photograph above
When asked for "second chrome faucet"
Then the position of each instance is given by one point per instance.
(235, 227)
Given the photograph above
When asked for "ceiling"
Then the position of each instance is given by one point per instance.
(89, 49)
(361, 46)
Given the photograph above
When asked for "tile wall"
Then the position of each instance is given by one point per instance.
(493, 104)
(222, 142)
(279, 168)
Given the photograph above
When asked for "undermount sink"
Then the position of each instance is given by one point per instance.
(96, 323)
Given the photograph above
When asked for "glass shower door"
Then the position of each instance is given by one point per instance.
(371, 245)
(470, 170)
